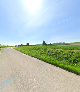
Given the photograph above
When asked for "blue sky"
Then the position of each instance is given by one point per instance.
(33, 21)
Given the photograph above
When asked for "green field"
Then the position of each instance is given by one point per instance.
(66, 57)
(2, 47)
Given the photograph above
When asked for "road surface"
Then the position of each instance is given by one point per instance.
(21, 73)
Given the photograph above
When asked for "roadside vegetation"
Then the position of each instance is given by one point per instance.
(2, 47)
(66, 57)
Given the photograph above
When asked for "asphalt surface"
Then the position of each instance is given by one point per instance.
(22, 73)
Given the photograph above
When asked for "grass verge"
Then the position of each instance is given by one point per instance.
(67, 58)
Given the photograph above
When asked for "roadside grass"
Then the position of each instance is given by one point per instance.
(66, 57)
(2, 47)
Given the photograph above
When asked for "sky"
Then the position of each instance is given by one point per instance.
(32, 21)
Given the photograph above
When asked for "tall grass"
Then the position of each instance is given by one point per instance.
(66, 57)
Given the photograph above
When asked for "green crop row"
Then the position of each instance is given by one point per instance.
(66, 57)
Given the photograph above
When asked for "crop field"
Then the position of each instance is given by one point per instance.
(66, 57)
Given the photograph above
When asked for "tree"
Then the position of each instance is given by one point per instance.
(44, 43)
(27, 44)
(21, 44)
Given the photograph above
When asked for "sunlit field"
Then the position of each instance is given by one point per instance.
(66, 57)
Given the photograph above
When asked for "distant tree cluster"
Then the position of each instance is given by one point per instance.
(27, 44)
(44, 44)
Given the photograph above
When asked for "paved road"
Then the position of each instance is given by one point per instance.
(21, 73)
